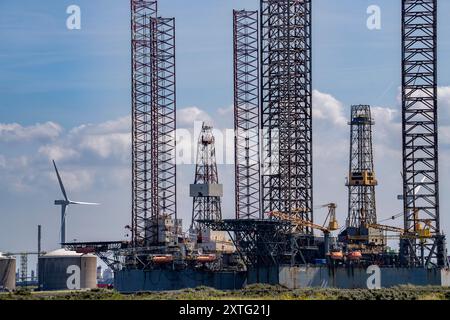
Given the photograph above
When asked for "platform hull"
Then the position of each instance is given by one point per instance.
(362, 278)
(129, 281)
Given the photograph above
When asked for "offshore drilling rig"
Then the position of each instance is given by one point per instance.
(273, 232)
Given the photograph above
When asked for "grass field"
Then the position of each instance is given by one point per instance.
(253, 292)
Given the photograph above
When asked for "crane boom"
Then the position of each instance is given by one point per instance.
(299, 222)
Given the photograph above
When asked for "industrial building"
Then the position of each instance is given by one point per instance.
(274, 237)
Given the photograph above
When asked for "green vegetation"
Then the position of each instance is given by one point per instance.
(253, 292)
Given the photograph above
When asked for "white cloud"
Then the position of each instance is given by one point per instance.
(58, 153)
(122, 125)
(226, 111)
(186, 117)
(16, 132)
(107, 145)
(75, 179)
(327, 108)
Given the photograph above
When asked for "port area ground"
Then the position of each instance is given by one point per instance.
(251, 292)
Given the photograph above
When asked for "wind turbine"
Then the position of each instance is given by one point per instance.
(64, 204)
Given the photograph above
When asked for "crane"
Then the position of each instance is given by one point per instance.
(297, 221)
(419, 231)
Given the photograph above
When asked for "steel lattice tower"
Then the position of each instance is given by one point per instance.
(361, 182)
(420, 133)
(163, 122)
(246, 114)
(206, 190)
(286, 107)
(141, 13)
(153, 121)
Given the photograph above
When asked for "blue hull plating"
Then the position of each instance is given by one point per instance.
(129, 281)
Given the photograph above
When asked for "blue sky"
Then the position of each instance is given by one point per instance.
(66, 95)
(49, 72)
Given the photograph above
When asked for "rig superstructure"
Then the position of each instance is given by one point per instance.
(273, 232)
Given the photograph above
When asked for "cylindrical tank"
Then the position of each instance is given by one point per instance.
(7, 273)
(204, 258)
(67, 270)
(162, 259)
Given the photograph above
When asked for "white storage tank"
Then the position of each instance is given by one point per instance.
(7, 273)
(67, 270)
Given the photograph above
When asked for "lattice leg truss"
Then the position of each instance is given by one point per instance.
(420, 132)
(246, 114)
(163, 122)
(286, 107)
(142, 11)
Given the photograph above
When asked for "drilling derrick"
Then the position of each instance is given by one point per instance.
(361, 182)
(206, 190)
(246, 114)
(286, 108)
(141, 13)
(420, 135)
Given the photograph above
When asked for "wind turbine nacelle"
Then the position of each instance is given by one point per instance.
(60, 202)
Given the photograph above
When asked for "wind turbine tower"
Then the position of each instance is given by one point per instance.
(64, 203)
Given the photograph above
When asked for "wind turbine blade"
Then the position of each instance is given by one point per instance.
(61, 185)
(417, 189)
(85, 203)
